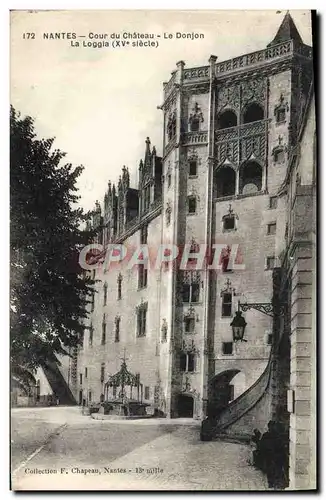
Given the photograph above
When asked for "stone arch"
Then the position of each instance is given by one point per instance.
(221, 391)
(224, 181)
(250, 177)
(227, 119)
(252, 113)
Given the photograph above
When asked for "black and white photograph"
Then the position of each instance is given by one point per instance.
(163, 243)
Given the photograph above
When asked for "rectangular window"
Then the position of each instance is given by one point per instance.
(189, 325)
(102, 372)
(183, 362)
(90, 338)
(270, 263)
(141, 322)
(143, 235)
(269, 339)
(271, 228)
(228, 223)
(105, 294)
(192, 168)
(227, 305)
(273, 202)
(280, 115)
(119, 288)
(114, 391)
(86, 372)
(190, 293)
(227, 348)
(103, 339)
(195, 292)
(185, 293)
(146, 392)
(80, 378)
(142, 276)
(192, 205)
(89, 397)
(117, 330)
(191, 362)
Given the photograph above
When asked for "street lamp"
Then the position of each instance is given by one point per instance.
(238, 327)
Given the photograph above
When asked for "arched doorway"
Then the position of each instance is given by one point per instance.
(185, 406)
(220, 392)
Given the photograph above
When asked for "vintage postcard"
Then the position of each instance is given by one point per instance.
(163, 250)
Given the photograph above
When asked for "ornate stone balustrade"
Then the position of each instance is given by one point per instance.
(201, 73)
(191, 138)
(277, 51)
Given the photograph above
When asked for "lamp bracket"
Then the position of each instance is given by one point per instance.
(263, 307)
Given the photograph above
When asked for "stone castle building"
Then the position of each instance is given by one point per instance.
(224, 176)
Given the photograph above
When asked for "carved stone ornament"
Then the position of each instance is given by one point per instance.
(230, 213)
(196, 117)
(228, 97)
(189, 346)
(281, 109)
(279, 148)
(253, 91)
(190, 277)
(228, 288)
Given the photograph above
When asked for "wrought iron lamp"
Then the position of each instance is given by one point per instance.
(238, 327)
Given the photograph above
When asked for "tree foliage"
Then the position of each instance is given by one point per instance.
(49, 292)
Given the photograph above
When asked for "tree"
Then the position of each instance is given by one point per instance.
(49, 291)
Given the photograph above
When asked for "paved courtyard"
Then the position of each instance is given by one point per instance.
(76, 452)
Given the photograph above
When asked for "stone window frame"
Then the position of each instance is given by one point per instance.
(190, 315)
(164, 331)
(171, 127)
(91, 335)
(223, 348)
(267, 260)
(119, 281)
(103, 336)
(105, 294)
(141, 319)
(196, 117)
(192, 197)
(102, 373)
(270, 203)
(281, 107)
(117, 322)
(189, 279)
(269, 226)
(230, 215)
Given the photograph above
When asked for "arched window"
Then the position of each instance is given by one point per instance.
(227, 119)
(225, 182)
(250, 178)
(253, 113)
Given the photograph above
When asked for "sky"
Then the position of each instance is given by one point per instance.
(101, 104)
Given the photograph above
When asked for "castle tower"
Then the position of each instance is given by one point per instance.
(228, 130)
